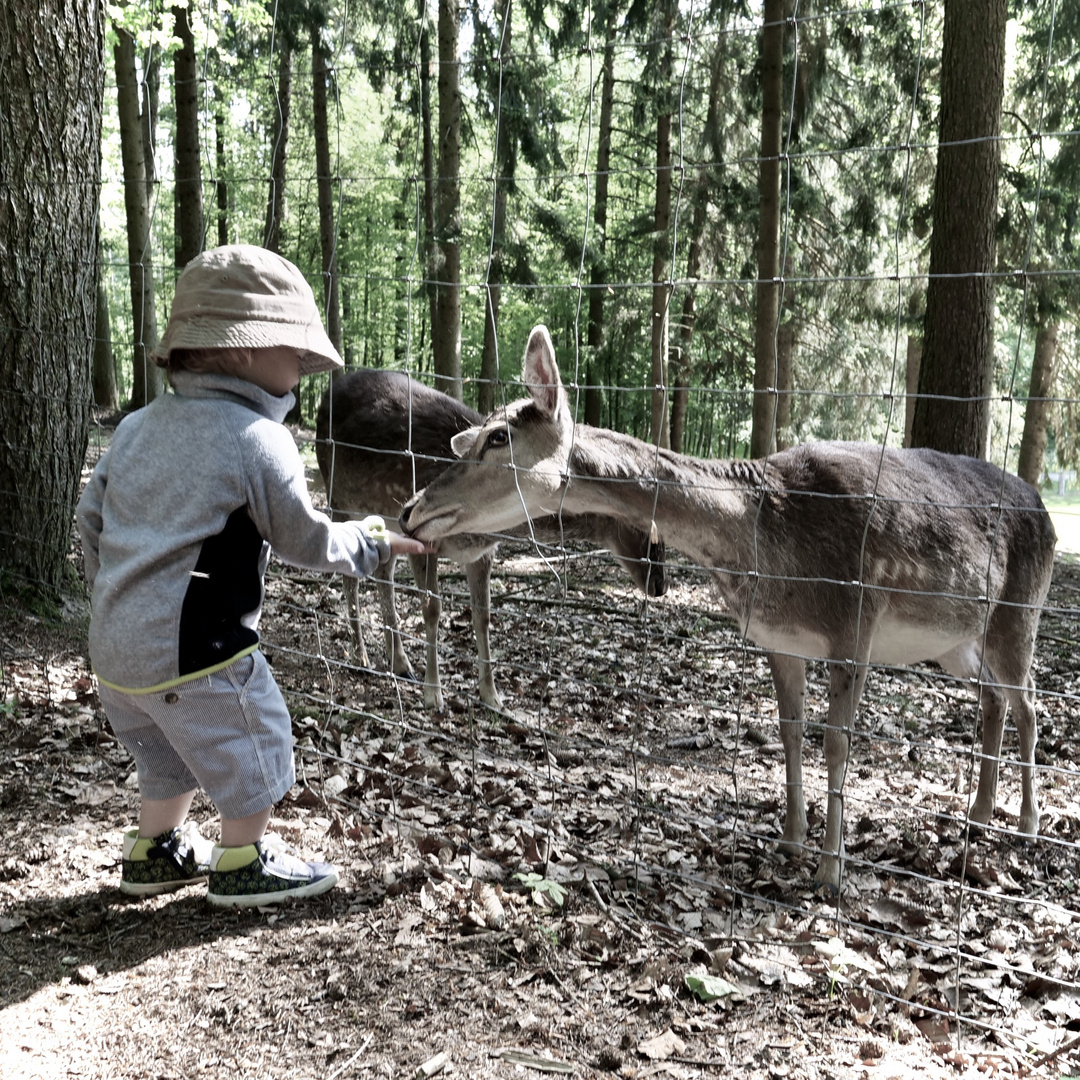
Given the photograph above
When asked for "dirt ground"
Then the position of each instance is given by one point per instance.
(588, 886)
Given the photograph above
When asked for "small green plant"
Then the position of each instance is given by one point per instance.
(544, 891)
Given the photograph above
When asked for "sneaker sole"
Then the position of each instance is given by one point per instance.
(156, 888)
(316, 888)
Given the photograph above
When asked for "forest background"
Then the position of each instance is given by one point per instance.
(725, 212)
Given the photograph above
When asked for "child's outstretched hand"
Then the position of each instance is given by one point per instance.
(406, 545)
(376, 528)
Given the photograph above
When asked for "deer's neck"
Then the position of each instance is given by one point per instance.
(705, 509)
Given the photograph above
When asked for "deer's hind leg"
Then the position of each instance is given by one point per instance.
(995, 695)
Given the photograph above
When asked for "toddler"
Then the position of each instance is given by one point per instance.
(177, 523)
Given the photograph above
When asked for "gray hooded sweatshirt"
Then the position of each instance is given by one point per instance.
(177, 522)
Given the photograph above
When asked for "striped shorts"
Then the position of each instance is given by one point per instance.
(229, 733)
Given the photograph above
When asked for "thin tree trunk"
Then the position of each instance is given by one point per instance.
(598, 275)
(767, 313)
(489, 357)
(146, 378)
(952, 412)
(275, 203)
(325, 182)
(911, 383)
(431, 249)
(785, 361)
(446, 333)
(149, 90)
(106, 394)
(52, 57)
(661, 267)
(188, 205)
(221, 186)
(1037, 411)
(700, 191)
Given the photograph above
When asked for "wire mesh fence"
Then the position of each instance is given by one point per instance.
(632, 785)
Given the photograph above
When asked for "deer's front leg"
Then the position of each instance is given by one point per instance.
(426, 572)
(478, 574)
(789, 679)
(846, 682)
(356, 634)
(396, 659)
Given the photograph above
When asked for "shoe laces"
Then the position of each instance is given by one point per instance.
(189, 834)
(277, 850)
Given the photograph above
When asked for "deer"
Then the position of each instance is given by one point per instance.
(850, 553)
(381, 436)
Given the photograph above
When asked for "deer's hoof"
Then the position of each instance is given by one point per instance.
(827, 878)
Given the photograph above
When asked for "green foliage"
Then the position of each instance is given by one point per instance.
(861, 93)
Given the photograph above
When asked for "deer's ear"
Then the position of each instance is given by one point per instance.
(540, 373)
(464, 441)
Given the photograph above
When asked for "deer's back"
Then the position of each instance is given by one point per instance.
(384, 436)
(927, 533)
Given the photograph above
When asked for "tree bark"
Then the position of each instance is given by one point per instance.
(952, 412)
(188, 205)
(146, 376)
(275, 203)
(767, 313)
(52, 57)
(1037, 411)
(446, 332)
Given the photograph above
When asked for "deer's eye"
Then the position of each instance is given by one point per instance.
(496, 438)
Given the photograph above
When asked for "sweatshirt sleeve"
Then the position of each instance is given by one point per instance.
(89, 518)
(281, 508)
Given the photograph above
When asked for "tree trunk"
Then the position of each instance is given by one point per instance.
(700, 196)
(148, 122)
(785, 363)
(766, 317)
(106, 394)
(914, 363)
(146, 376)
(661, 266)
(50, 168)
(188, 205)
(594, 396)
(221, 186)
(325, 183)
(446, 332)
(1037, 412)
(431, 250)
(661, 274)
(489, 357)
(952, 412)
(275, 203)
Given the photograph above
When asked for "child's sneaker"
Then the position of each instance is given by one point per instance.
(170, 861)
(265, 872)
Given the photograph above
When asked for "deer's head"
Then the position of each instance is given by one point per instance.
(513, 465)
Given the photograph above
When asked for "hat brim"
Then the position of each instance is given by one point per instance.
(316, 350)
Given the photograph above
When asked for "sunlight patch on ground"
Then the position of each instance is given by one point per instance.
(1065, 514)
